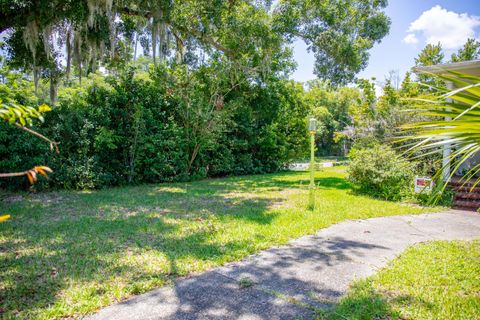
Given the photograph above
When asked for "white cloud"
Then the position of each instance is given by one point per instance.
(411, 38)
(449, 28)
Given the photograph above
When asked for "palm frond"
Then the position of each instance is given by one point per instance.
(451, 119)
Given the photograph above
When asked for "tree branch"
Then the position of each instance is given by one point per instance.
(31, 174)
(200, 36)
(53, 144)
(205, 39)
(13, 174)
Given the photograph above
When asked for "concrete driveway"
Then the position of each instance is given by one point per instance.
(289, 282)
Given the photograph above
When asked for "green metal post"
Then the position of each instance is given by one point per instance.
(311, 202)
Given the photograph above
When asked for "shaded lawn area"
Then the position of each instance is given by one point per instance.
(67, 254)
(436, 280)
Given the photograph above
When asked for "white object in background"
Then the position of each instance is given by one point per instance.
(423, 184)
(299, 166)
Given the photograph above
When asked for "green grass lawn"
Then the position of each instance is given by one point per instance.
(437, 280)
(66, 254)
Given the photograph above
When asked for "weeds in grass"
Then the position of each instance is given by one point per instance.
(245, 283)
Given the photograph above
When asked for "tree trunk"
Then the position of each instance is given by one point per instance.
(135, 48)
(193, 157)
(69, 53)
(36, 74)
(53, 88)
(179, 55)
(154, 40)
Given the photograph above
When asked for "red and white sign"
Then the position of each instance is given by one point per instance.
(423, 184)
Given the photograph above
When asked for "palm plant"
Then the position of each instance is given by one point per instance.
(451, 118)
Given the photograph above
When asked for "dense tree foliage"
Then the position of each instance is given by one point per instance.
(334, 109)
(356, 115)
(339, 33)
(469, 51)
(433, 54)
(137, 127)
(173, 90)
(429, 56)
(253, 33)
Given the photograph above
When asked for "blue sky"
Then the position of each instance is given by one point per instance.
(447, 20)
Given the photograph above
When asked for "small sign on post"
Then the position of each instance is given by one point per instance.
(423, 184)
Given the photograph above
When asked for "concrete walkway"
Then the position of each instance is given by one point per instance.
(290, 281)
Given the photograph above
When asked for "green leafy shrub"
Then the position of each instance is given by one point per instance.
(160, 127)
(438, 196)
(380, 172)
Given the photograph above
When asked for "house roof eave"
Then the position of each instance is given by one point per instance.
(471, 67)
